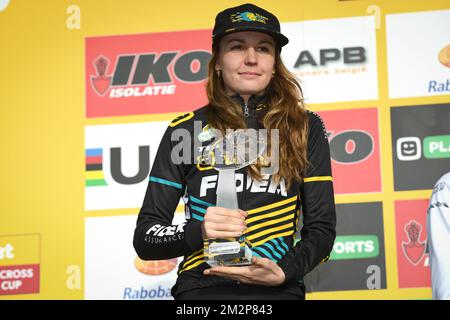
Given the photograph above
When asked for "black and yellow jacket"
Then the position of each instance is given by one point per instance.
(273, 211)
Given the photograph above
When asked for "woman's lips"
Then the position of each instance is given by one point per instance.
(249, 74)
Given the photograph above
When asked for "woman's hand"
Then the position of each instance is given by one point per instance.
(263, 271)
(222, 223)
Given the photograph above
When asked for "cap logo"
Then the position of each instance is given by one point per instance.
(248, 16)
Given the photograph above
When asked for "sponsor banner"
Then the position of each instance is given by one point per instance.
(417, 69)
(355, 151)
(118, 163)
(325, 52)
(357, 261)
(113, 270)
(411, 232)
(19, 264)
(146, 73)
(420, 145)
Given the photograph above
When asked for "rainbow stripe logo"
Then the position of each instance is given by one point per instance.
(94, 168)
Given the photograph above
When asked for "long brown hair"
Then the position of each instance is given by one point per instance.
(286, 113)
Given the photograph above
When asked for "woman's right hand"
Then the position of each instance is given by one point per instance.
(221, 223)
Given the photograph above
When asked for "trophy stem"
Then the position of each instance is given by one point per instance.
(226, 189)
(232, 251)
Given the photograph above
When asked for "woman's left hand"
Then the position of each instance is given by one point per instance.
(263, 271)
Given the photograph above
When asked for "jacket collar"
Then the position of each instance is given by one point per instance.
(254, 102)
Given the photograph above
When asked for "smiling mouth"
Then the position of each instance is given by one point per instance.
(249, 74)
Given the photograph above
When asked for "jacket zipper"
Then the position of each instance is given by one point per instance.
(246, 110)
(244, 180)
(244, 187)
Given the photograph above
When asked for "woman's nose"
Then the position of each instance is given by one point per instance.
(250, 56)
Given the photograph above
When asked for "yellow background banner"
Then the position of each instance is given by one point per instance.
(19, 250)
(42, 98)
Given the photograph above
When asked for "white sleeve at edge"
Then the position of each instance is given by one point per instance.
(438, 225)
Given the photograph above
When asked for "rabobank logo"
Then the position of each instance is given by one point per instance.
(423, 71)
(444, 56)
(431, 147)
(441, 86)
(355, 247)
(144, 293)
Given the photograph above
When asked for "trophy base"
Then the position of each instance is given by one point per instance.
(227, 252)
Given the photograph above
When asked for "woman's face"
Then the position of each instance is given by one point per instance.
(246, 60)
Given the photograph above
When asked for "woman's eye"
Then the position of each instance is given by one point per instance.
(236, 47)
(264, 49)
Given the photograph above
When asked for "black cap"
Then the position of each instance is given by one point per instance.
(248, 17)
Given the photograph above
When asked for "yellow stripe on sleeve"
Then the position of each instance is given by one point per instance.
(320, 178)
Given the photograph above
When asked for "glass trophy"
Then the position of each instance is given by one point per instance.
(236, 150)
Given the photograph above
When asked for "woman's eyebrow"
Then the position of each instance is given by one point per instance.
(266, 41)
